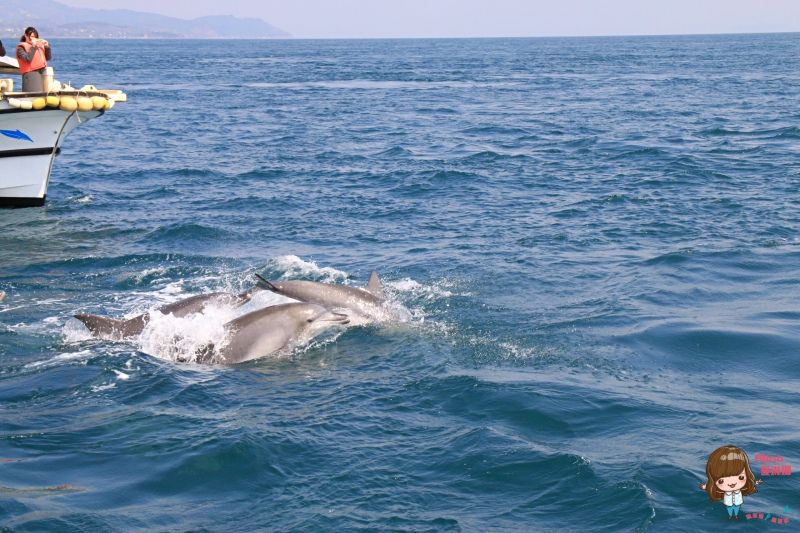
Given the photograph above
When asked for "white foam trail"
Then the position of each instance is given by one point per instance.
(408, 288)
(122, 375)
(428, 292)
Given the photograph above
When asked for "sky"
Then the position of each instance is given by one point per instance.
(486, 18)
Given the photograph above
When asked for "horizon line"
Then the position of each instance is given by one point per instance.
(292, 38)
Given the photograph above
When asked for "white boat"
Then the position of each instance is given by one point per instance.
(32, 128)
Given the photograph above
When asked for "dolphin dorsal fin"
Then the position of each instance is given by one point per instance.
(375, 287)
(265, 284)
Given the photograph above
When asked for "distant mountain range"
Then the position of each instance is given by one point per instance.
(54, 19)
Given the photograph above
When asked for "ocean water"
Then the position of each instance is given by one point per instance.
(595, 244)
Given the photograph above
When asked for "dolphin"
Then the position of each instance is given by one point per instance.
(363, 305)
(118, 329)
(269, 330)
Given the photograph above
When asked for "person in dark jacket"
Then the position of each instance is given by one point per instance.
(2, 50)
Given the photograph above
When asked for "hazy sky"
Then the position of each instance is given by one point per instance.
(486, 18)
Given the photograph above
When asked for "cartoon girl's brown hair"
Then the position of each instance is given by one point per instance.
(725, 462)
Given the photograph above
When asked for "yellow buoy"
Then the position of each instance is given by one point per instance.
(85, 103)
(109, 103)
(53, 101)
(98, 103)
(68, 103)
(25, 104)
(39, 103)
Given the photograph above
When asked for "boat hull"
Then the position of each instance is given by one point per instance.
(29, 142)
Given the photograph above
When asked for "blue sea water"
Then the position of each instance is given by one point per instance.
(596, 242)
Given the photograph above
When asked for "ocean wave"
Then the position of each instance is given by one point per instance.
(488, 156)
(496, 130)
(60, 359)
(395, 151)
(786, 132)
(293, 267)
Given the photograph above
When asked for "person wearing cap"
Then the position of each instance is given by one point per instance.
(33, 54)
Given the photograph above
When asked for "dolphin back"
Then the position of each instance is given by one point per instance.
(196, 304)
(259, 333)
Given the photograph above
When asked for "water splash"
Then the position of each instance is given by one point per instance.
(181, 339)
(294, 268)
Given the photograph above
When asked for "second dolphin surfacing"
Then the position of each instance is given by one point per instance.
(118, 329)
(362, 305)
(270, 330)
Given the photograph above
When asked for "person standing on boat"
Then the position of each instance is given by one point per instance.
(33, 54)
(2, 50)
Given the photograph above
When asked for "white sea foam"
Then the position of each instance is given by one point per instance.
(428, 292)
(61, 358)
(294, 267)
(409, 299)
(324, 339)
(510, 350)
(157, 271)
(44, 327)
(74, 331)
(49, 301)
(170, 289)
(179, 339)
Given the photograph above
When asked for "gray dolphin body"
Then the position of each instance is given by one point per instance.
(270, 330)
(362, 305)
(117, 329)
